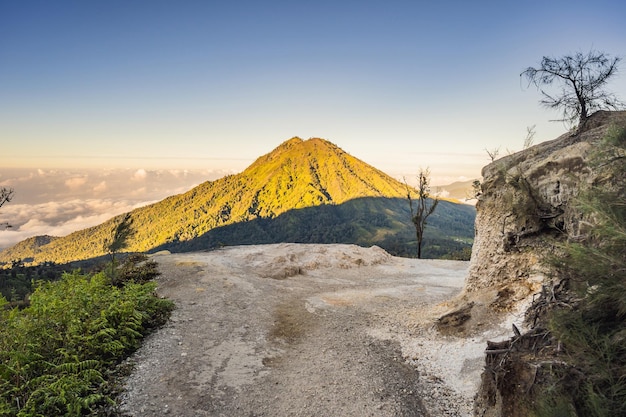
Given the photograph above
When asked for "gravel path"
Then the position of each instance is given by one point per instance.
(296, 330)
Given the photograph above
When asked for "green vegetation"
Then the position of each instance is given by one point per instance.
(298, 175)
(58, 355)
(118, 240)
(17, 281)
(385, 222)
(592, 328)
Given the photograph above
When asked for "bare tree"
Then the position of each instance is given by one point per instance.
(493, 153)
(582, 78)
(530, 136)
(6, 195)
(422, 208)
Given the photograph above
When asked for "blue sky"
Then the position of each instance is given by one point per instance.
(213, 85)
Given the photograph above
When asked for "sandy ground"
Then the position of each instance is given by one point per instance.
(305, 330)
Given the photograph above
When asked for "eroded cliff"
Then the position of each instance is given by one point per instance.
(525, 198)
(526, 211)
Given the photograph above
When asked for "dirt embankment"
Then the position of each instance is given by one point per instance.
(305, 330)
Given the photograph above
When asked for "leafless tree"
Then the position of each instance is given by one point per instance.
(422, 208)
(493, 153)
(530, 136)
(6, 195)
(581, 78)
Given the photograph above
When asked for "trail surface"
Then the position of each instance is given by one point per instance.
(301, 330)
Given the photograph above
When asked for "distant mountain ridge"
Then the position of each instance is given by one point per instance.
(298, 174)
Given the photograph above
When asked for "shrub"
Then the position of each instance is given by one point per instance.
(593, 331)
(54, 354)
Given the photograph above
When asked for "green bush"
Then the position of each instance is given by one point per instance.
(55, 354)
(593, 329)
(137, 268)
(616, 136)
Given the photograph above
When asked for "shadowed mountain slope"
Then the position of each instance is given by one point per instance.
(363, 221)
(296, 175)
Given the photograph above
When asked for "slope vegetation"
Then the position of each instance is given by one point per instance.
(296, 175)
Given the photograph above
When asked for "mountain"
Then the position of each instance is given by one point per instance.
(460, 190)
(333, 190)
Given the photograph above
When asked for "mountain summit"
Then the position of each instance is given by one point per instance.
(298, 174)
(303, 173)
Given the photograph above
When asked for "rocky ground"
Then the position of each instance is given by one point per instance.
(305, 330)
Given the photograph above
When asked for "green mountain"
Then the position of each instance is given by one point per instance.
(303, 191)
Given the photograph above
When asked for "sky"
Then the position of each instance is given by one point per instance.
(92, 93)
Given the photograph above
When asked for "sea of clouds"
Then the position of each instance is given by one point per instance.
(59, 202)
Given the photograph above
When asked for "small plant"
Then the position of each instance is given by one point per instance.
(477, 189)
(530, 136)
(137, 268)
(616, 136)
(493, 153)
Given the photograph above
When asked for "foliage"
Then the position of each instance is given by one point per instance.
(593, 331)
(55, 354)
(137, 268)
(17, 281)
(119, 239)
(477, 190)
(582, 78)
(464, 254)
(384, 222)
(298, 175)
(616, 136)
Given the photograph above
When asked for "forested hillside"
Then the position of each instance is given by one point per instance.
(273, 200)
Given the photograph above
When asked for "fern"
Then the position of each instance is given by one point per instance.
(55, 353)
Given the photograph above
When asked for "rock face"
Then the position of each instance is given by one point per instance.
(526, 209)
(525, 199)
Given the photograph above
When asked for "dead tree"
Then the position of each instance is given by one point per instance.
(421, 208)
(581, 79)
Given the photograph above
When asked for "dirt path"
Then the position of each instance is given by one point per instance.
(292, 330)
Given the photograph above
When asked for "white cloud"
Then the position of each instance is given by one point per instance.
(101, 187)
(57, 203)
(57, 219)
(140, 175)
(75, 182)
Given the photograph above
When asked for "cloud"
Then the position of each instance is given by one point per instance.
(57, 218)
(57, 203)
(140, 175)
(101, 187)
(76, 182)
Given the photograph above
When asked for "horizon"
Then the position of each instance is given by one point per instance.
(150, 87)
(57, 202)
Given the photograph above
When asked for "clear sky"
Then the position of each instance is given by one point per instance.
(213, 85)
